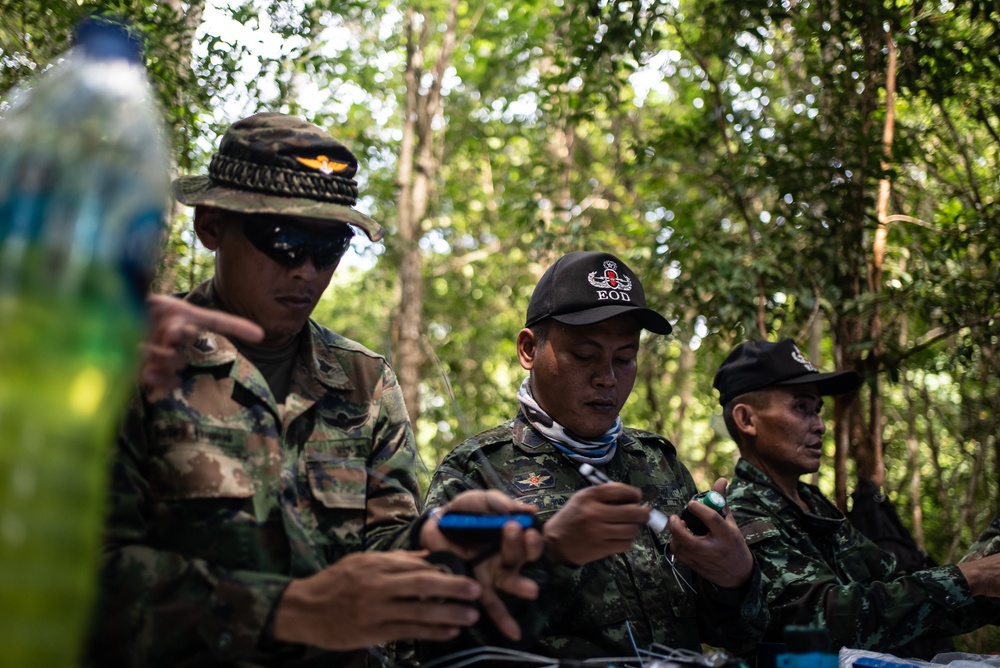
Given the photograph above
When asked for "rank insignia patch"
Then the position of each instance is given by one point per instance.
(532, 480)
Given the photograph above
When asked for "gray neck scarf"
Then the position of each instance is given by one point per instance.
(584, 450)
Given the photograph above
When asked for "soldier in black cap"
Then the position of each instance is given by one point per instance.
(617, 581)
(255, 501)
(819, 569)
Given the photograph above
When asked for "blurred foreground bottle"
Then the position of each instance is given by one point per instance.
(83, 186)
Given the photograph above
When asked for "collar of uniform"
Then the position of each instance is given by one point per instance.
(324, 360)
(210, 349)
(526, 438)
(213, 349)
(810, 493)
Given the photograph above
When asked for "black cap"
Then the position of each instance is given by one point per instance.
(585, 287)
(755, 365)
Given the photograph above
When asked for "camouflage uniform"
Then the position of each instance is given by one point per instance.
(221, 496)
(819, 570)
(604, 605)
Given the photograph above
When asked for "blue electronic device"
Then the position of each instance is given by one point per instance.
(480, 528)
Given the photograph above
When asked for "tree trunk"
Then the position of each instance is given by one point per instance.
(875, 468)
(418, 161)
(913, 464)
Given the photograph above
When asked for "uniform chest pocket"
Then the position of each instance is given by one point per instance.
(851, 565)
(669, 500)
(337, 473)
(191, 461)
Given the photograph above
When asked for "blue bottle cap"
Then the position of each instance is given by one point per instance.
(106, 39)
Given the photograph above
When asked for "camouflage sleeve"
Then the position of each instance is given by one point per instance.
(449, 480)
(155, 607)
(393, 495)
(734, 619)
(877, 613)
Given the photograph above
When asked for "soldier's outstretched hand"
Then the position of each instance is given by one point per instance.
(175, 323)
(595, 523)
(720, 556)
(369, 598)
(983, 575)
(500, 570)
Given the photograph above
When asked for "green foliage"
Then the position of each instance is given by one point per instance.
(730, 152)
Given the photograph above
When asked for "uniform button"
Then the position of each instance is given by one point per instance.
(949, 599)
(225, 640)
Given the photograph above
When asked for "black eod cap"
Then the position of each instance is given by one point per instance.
(755, 365)
(585, 287)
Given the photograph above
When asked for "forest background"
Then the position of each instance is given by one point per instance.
(827, 170)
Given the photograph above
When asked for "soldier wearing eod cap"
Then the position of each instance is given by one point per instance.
(609, 587)
(819, 570)
(254, 506)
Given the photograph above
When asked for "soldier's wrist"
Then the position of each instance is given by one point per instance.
(417, 529)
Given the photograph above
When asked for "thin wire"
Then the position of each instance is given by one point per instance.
(680, 579)
(635, 647)
(487, 651)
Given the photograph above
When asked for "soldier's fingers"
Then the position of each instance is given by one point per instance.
(513, 549)
(178, 332)
(497, 611)
(430, 612)
(402, 631)
(487, 501)
(432, 584)
(162, 307)
(496, 573)
(614, 493)
(230, 325)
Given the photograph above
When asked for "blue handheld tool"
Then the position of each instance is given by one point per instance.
(480, 528)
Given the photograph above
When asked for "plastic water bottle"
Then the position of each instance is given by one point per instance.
(83, 187)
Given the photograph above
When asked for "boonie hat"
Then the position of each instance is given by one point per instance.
(755, 365)
(277, 164)
(585, 287)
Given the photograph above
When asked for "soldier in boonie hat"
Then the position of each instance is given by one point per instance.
(276, 164)
(283, 467)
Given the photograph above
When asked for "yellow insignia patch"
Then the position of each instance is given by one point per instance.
(323, 164)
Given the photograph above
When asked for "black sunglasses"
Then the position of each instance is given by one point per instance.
(290, 245)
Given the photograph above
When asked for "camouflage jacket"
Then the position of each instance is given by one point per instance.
(220, 496)
(819, 570)
(627, 601)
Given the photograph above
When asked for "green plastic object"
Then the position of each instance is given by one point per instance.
(83, 187)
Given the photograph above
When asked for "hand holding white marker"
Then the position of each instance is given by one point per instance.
(657, 520)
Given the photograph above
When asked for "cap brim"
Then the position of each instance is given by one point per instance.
(200, 190)
(828, 384)
(648, 318)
